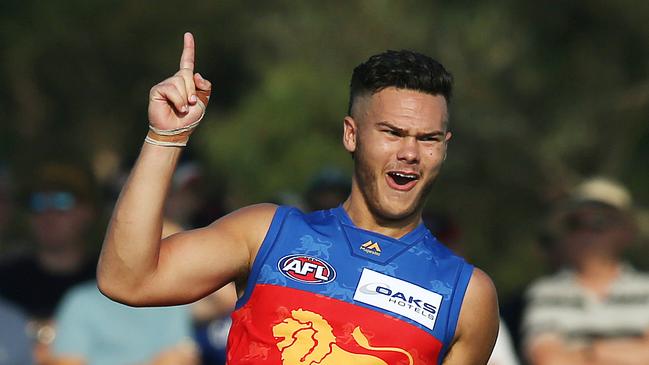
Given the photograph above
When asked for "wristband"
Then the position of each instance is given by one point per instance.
(179, 140)
(177, 137)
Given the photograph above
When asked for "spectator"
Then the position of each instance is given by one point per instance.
(93, 330)
(596, 309)
(61, 210)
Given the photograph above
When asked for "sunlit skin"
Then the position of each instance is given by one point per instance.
(394, 131)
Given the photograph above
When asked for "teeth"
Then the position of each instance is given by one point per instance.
(407, 176)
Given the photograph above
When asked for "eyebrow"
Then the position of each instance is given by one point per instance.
(403, 132)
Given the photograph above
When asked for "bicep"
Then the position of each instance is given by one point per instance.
(194, 263)
(477, 327)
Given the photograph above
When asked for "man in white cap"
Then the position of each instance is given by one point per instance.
(596, 309)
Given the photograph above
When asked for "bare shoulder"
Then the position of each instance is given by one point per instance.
(479, 317)
(481, 290)
(250, 224)
(478, 323)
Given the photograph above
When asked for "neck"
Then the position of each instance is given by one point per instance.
(362, 217)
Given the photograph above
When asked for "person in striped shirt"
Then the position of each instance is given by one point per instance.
(595, 310)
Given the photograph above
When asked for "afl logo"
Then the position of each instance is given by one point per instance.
(306, 269)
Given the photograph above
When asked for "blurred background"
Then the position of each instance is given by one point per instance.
(546, 94)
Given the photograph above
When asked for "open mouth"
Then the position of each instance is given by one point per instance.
(402, 180)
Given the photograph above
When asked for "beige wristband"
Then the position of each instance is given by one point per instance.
(178, 140)
(173, 137)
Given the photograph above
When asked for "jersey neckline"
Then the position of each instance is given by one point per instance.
(411, 237)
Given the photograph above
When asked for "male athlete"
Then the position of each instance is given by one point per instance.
(364, 283)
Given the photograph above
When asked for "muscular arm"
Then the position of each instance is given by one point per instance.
(477, 326)
(136, 267)
(142, 270)
(551, 350)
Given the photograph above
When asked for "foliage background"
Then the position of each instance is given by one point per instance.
(546, 93)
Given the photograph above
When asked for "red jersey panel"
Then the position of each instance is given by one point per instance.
(312, 329)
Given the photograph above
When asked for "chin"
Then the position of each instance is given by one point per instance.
(393, 211)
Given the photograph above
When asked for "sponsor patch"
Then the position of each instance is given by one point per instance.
(398, 296)
(372, 248)
(306, 269)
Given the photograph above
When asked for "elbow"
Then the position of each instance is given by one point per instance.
(118, 293)
(110, 288)
(116, 289)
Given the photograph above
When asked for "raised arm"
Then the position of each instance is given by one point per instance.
(135, 266)
(477, 326)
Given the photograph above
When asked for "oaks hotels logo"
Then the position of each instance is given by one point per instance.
(372, 248)
(306, 269)
(398, 296)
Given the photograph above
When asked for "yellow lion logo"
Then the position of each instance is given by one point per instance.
(306, 338)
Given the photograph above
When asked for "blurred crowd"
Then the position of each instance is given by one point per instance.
(592, 308)
(50, 308)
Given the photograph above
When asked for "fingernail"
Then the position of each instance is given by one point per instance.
(199, 76)
(184, 109)
(192, 99)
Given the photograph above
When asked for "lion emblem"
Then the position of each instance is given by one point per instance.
(307, 338)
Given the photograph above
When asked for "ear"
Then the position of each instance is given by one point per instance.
(350, 133)
(448, 136)
(447, 139)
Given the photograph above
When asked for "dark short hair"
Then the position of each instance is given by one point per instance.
(401, 69)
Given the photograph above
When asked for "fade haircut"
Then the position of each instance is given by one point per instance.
(403, 70)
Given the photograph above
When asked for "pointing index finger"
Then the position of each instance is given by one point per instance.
(187, 58)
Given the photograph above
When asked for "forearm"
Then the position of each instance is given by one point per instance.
(562, 357)
(622, 351)
(131, 247)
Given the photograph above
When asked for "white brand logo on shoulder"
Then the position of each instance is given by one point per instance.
(398, 296)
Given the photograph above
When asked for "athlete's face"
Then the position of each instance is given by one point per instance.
(399, 139)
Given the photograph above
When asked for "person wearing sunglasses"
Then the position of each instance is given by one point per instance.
(59, 199)
(595, 310)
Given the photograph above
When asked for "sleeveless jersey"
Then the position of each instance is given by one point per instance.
(325, 292)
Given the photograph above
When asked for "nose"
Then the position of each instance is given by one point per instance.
(409, 150)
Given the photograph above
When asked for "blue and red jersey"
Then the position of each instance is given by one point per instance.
(324, 292)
